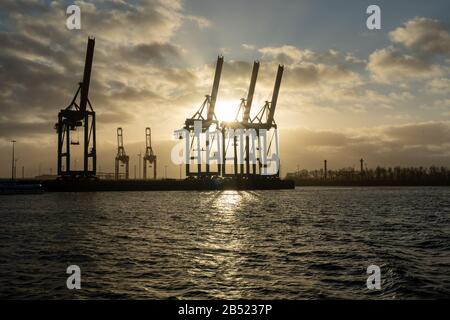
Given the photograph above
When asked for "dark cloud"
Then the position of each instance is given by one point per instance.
(41, 62)
(115, 117)
(421, 41)
(10, 130)
(23, 5)
(389, 64)
(314, 74)
(158, 53)
(420, 134)
(142, 21)
(412, 144)
(425, 35)
(140, 78)
(322, 138)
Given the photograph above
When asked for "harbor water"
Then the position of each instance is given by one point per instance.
(307, 243)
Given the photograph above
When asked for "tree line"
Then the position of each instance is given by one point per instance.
(373, 176)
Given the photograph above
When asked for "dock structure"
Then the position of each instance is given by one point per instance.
(84, 185)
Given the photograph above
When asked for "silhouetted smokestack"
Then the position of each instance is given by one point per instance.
(325, 170)
(362, 165)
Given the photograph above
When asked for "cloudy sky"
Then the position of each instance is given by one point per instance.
(347, 92)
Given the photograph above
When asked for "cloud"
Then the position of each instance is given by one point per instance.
(9, 130)
(248, 46)
(410, 144)
(158, 53)
(133, 22)
(389, 64)
(201, 22)
(439, 86)
(419, 42)
(424, 35)
(307, 68)
(142, 77)
(41, 62)
(115, 117)
(315, 74)
(286, 54)
(310, 138)
(428, 133)
(442, 103)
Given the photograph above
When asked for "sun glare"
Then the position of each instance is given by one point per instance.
(226, 110)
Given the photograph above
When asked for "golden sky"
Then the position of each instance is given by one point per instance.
(347, 92)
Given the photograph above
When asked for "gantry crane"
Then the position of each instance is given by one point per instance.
(78, 115)
(149, 154)
(265, 120)
(244, 109)
(207, 121)
(121, 156)
(265, 117)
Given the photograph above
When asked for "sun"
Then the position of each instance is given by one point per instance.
(226, 110)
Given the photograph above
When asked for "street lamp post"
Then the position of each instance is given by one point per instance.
(15, 168)
(140, 157)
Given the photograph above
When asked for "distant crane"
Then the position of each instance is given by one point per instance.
(121, 156)
(149, 154)
(78, 115)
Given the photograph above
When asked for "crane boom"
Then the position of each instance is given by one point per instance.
(87, 74)
(119, 138)
(215, 89)
(148, 140)
(276, 91)
(251, 91)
